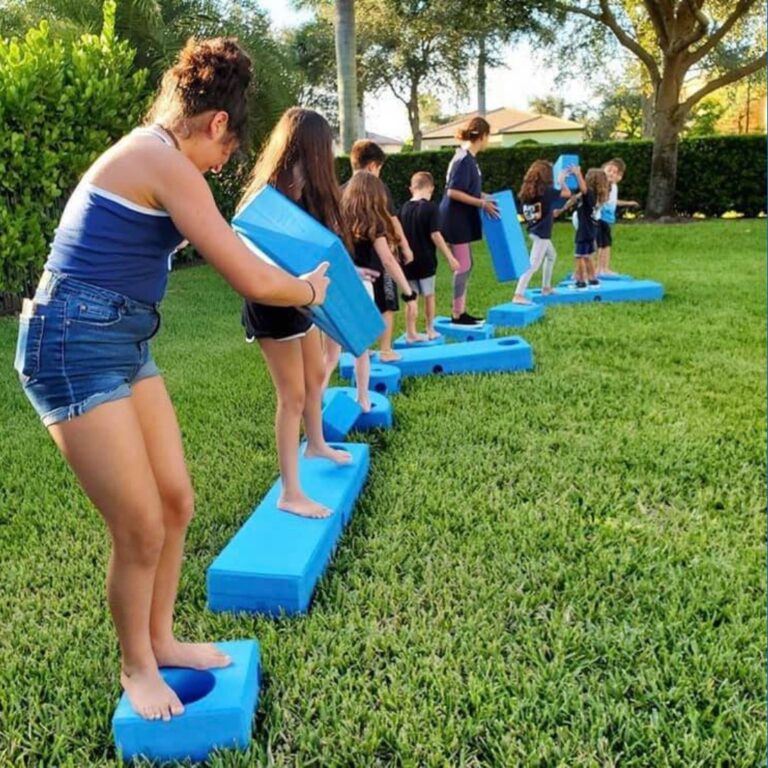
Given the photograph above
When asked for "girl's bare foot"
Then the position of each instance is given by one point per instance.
(547, 291)
(325, 451)
(432, 335)
(608, 272)
(150, 696)
(415, 339)
(364, 403)
(302, 506)
(520, 299)
(388, 356)
(193, 655)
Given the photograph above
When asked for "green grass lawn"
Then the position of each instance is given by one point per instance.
(558, 568)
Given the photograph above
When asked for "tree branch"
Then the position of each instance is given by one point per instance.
(659, 22)
(742, 6)
(581, 11)
(725, 79)
(700, 28)
(630, 43)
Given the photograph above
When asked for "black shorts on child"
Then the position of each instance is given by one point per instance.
(279, 323)
(385, 294)
(603, 235)
(584, 248)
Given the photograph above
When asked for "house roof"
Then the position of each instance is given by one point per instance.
(381, 139)
(507, 120)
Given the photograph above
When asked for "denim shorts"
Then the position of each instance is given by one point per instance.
(80, 346)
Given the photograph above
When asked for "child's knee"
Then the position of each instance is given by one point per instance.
(291, 400)
(178, 505)
(140, 540)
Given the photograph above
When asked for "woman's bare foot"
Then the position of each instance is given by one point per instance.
(326, 451)
(520, 299)
(419, 337)
(608, 272)
(302, 506)
(547, 291)
(389, 356)
(192, 655)
(150, 696)
(432, 335)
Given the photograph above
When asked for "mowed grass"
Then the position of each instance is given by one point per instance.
(558, 568)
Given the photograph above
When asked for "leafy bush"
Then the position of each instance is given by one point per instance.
(61, 105)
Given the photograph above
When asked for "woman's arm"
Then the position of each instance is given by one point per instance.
(488, 204)
(183, 192)
(577, 173)
(393, 269)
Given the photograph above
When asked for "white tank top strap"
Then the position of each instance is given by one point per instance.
(156, 131)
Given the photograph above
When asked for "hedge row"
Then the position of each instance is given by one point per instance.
(715, 174)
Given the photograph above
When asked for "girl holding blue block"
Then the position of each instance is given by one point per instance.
(298, 161)
(83, 352)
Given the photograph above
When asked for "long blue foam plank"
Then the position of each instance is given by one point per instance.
(609, 291)
(218, 711)
(451, 330)
(297, 243)
(602, 276)
(273, 563)
(505, 239)
(510, 353)
(379, 417)
(511, 315)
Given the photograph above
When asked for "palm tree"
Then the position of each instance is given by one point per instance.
(346, 65)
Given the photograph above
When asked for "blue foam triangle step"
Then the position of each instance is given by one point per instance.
(379, 417)
(510, 353)
(274, 562)
(449, 329)
(219, 706)
(505, 239)
(340, 413)
(401, 342)
(297, 243)
(512, 315)
(608, 291)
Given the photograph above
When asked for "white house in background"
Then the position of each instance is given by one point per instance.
(509, 127)
(387, 143)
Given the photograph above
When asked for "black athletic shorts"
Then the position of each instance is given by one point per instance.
(603, 236)
(281, 323)
(385, 294)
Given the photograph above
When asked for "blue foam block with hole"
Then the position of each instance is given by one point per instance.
(510, 353)
(379, 417)
(401, 342)
(273, 563)
(447, 328)
(601, 276)
(511, 315)
(297, 243)
(218, 711)
(339, 415)
(505, 239)
(608, 291)
(563, 162)
(385, 377)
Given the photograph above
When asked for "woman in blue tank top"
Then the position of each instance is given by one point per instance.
(83, 354)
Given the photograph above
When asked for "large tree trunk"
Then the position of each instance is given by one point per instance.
(668, 122)
(414, 116)
(481, 62)
(346, 69)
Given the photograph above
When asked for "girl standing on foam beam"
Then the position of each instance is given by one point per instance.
(298, 161)
(538, 198)
(83, 354)
(460, 210)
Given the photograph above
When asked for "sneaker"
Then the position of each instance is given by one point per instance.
(580, 284)
(476, 320)
(464, 319)
(594, 282)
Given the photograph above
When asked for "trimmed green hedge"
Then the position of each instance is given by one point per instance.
(61, 105)
(715, 174)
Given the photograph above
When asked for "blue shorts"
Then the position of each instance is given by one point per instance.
(80, 346)
(584, 248)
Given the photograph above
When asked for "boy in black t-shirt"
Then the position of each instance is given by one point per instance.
(421, 224)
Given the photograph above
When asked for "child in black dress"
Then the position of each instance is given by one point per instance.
(594, 192)
(298, 161)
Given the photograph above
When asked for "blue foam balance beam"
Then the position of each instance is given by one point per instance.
(273, 563)
(401, 342)
(512, 315)
(510, 353)
(275, 227)
(339, 415)
(451, 330)
(563, 162)
(505, 239)
(609, 291)
(379, 417)
(600, 276)
(219, 706)
(385, 377)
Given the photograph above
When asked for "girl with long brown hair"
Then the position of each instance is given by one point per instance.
(537, 198)
(297, 160)
(594, 192)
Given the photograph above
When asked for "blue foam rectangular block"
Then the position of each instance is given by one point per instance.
(384, 378)
(297, 243)
(401, 342)
(563, 162)
(610, 291)
(447, 328)
(219, 705)
(506, 243)
(379, 417)
(511, 315)
(339, 415)
(510, 353)
(273, 563)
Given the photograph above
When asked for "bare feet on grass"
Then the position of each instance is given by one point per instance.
(174, 653)
(150, 696)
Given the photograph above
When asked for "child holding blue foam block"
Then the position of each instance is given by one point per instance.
(298, 161)
(539, 199)
(594, 193)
